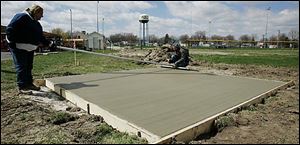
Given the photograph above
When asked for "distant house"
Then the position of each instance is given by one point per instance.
(95, 41)
(78, 41)
(80, 35)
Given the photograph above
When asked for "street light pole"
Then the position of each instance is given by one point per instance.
(278, 38)
(97, 17)
(103, 26)
(266, 35)
(71, 40)
(209, 29)
(71, 22)
(191, 22)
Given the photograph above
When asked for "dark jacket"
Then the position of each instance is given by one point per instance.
(184, 58)
(23, 29)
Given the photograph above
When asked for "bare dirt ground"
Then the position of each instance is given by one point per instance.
(33, 119)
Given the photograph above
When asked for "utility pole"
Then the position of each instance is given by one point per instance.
(209, 29)
(263, 41)
(103, 37)
(71, 22)
(266, 35)
(103, 26)
(278, 38)
(192, 22)
(71, 40)
(97, 17)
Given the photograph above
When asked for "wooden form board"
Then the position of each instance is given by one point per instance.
(150, 102)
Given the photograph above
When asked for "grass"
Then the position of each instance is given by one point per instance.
(61, 117)
(106, 134)
(271, 60)
(223, 122)
(288, 58)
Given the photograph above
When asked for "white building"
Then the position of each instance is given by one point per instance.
(95, 41)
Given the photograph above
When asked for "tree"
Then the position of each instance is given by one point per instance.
(283, 37)
(184, 38)
(60, 32)
(273, 38)
(199, 35)
(229, 37)
(128, 37)
(217, 37)
(153, 38)
(245, 38)
(115, 38)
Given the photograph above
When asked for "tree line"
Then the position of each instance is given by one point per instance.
(132, 39)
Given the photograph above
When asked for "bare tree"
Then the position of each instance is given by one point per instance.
(273, 38)
(283, 37)
(229, 37)
(129, 37)
(60, 32)
(245, 38)
(153, 38)
(115, 38)
(199, 35)
(184, 38)
(217, 37)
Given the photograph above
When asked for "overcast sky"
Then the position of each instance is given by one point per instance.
(175, 18)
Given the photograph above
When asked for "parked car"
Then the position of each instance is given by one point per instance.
(221, 45)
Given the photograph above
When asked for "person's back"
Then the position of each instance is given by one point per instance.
(183, 61)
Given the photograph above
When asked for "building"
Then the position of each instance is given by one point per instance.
(95, 41)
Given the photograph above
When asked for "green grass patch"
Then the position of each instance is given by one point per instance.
(53, 136)
(62, 117)
(107, 135)
(267, 60)
(252, 51)
(223, 122)
(8, 75)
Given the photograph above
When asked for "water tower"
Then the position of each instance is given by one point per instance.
(144, 19)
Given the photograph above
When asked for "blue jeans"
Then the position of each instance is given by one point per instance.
(23, 61)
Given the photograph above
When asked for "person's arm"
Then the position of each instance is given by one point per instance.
(43, 42)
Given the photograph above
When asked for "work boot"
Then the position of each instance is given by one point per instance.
(32, 87)
(22, 90)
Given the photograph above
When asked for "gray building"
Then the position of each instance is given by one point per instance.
(95, 41)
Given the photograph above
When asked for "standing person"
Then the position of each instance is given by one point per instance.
(24, 35)
(181, 56)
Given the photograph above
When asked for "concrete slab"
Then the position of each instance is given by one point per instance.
(158, 102)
